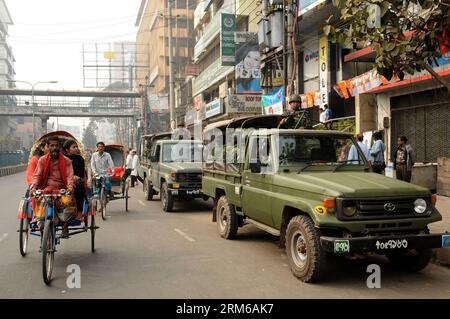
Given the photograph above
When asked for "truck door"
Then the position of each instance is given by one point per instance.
(256, 189)
(154, 166)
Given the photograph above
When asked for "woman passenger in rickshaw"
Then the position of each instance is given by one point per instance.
(41, 150)
(73, 153)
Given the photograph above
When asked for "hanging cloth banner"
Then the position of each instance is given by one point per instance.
(361, 84)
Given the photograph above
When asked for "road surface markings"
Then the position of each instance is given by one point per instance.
(142, 203)
(184, 235)
(3, 237)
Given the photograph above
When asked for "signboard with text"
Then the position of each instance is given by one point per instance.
(244, 103)
(213, 108)
(227, 45)
(323, 70)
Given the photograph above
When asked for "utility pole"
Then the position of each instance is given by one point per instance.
(171, 76)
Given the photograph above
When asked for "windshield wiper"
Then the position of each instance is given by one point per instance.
(308, 164)
(344, 163)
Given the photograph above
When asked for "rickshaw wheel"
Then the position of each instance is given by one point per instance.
(126, 199)
(103, 203)
(23, 235)
(48, 251)
(93, 228)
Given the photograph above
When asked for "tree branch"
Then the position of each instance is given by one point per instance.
(439, 78)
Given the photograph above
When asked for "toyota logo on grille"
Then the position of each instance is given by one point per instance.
(389, 207)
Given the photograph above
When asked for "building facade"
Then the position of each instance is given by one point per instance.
(7, 124)
(152, 51)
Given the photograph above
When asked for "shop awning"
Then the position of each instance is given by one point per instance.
(363, 55)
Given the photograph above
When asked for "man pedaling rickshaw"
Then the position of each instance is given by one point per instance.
(101, 163)
(54, 172)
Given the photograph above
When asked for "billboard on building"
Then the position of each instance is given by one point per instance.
(247, 63)
(158, 102)
(227, 45)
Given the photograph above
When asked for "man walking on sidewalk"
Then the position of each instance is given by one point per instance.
(404, 159)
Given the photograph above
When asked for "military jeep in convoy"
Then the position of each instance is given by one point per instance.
(171, 168)
(302, 186)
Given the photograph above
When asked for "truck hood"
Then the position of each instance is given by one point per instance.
(195, 167)
(349, 184)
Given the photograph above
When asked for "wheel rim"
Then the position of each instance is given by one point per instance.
(92, 233)
(299, 249)
(25, 236)
(223, 219)
(49, 257)
(163, 198)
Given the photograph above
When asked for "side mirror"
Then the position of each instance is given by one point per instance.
(255, 167)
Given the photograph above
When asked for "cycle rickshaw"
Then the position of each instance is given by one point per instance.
(119, 187)
(50, 226)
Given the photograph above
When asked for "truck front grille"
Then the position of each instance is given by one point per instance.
(191, 180)
(380, 208)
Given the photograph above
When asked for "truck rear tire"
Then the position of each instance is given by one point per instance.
(412, 260)
(305, 254)
(148, 190)
(166, 198)
(227, 220)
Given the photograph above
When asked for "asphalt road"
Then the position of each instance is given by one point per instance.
(146, 253)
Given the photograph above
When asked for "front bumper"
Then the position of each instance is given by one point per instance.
(383, 244)
(186, 192)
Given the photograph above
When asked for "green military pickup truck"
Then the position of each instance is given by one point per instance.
(171, 168)
(301, 185)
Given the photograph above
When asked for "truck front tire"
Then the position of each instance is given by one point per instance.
(227, 220)
(305, 254)
(166, 198)
(148, 190)
(413, 260)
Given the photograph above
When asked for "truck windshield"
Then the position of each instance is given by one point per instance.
(182, 152)
(310, 150)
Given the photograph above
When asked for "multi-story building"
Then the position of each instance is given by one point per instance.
(152, 51)
(7, 124)
(214, 88)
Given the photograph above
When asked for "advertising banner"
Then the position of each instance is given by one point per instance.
(158, 102)
(247, 63)
(273, 103)
(227, 45)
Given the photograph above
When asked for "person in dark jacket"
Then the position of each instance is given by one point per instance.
(73, 153)
(404, 159)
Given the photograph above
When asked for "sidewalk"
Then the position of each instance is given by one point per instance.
(442, 256)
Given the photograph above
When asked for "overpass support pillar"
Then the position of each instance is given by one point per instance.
(44, 120)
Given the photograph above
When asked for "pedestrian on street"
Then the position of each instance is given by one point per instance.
(353, 156)
(377, 154)
(128, 166)
(136, 169)
(404, 159)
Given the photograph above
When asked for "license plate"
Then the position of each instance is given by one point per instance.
(391, 244)
(194, 192)
(341, 246)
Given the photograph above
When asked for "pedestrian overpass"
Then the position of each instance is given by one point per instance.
(68, 103)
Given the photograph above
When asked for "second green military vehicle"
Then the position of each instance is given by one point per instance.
(171, 168)
(302, 186)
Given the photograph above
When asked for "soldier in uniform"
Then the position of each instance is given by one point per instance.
(296, 117)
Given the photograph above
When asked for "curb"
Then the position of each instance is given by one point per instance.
(10, 170)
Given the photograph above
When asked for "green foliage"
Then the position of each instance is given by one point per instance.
(407, 39)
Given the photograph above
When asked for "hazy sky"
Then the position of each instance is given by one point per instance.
(47, 36)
